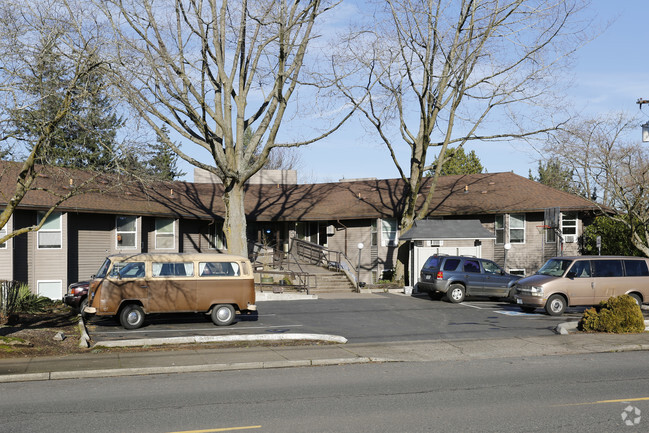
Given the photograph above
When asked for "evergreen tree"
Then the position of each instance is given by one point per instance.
(86, 137)
(456, 161)
(162, 161)
(552, 174)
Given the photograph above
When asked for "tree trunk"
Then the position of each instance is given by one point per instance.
(234, 226)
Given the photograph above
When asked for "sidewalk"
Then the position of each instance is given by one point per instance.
(202, 360)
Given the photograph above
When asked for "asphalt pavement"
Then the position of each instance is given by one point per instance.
(321, 351)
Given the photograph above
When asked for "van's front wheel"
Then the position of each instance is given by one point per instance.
(223, 314)
(556, 305)
(132, 316)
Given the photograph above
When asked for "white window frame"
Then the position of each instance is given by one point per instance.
(60, 283)
(3, 232)
(119, 232)
(387, 239)
(499, 229)
(48, 230)
(573, 219)
(510, 228)
(161, 234)
(217, 237)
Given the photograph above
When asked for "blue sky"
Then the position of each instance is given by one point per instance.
(609, 75)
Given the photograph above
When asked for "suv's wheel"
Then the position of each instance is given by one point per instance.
(556, 305)
(455, 293)
(132, 316)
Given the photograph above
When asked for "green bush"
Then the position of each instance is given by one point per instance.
(28, 302)
(618, 315)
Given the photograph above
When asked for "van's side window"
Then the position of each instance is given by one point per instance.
(636, 268)
(581, 269)
(607, 268)
(173, 269)
(219, 269)
(128, 270)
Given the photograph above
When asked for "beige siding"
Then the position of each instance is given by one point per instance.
(94, 244)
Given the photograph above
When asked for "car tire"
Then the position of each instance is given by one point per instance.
(455, 293)
(131, 316)
(82, 305)
(556, 305)
(528, 309)
(636, 298)
(223, 314)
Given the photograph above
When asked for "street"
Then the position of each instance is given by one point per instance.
(543, 394)
(359, 318)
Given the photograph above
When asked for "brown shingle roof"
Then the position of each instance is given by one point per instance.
(487, 193)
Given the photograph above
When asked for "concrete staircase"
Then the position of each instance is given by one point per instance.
(328, 281)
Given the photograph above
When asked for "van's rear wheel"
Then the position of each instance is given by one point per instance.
(223, 314)
(556, 305)
(132, 316)
(636, 298)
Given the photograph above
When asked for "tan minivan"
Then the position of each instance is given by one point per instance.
(129, 286)
(583, 280)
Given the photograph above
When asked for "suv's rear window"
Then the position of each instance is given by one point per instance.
(636, 268)
(451, 264)
(432, 262)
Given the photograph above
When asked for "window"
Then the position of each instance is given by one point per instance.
(50, 289)
(636, 268)
(374, 235)
(165, 236)
(219, 269)
(607, 268)
(499, 228)
(173, 269)
(50, 234)
(517, 228)
(217, 237)
(451, 264)
(128, 270)
(3, 232)
(472, 266)
(569, 226)
(581, 269)
(389, 232)
(491, 268)
(126, 228)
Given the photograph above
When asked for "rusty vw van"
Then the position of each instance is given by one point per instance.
(129, 286)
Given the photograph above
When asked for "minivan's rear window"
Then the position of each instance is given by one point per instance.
(607, 268)
(636, 268)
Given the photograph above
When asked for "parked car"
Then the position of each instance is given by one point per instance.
(77, 296)
(583, 280)
(460, 276)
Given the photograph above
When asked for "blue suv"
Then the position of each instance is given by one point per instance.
(461, 276)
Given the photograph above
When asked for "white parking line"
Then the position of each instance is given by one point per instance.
(243, 328)
(472, 306)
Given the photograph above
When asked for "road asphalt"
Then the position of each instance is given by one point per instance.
(323, 350)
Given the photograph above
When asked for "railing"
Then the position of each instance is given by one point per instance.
(321, 256)
(280, 263)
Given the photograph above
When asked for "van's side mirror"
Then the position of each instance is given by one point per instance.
(571, 275)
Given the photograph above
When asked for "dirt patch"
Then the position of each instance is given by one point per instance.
(51, 333)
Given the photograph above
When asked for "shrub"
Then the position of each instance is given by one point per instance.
(618, 315)
(28, 302)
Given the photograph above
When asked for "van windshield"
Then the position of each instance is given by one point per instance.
(555, 267)
(101, 273)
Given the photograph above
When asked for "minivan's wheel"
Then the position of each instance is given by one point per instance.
(223, 314)
(636, 298)
(455, 293)
(132, 316)
(556, 305)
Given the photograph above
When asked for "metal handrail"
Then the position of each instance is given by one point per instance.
(319, 255)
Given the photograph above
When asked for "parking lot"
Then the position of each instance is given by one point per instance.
(361, 318)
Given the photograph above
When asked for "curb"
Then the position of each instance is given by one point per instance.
(221, 339)
(568, 327)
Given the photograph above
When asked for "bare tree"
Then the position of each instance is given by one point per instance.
(24, 28)
(610, 168)
(444, 72)
(214, 71)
